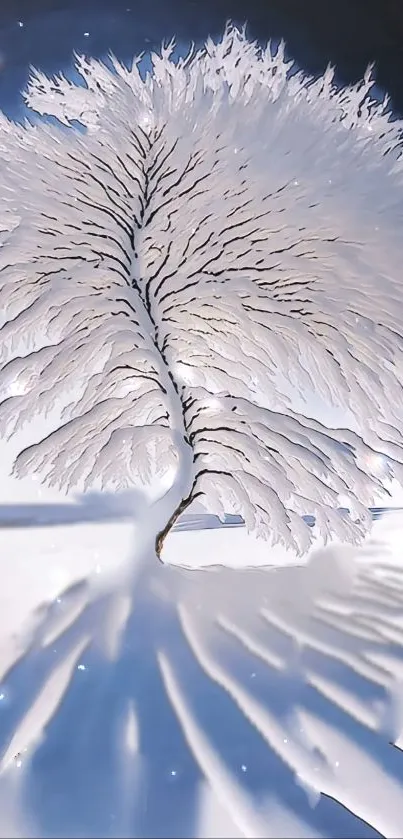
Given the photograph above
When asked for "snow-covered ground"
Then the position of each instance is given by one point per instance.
(237, 702)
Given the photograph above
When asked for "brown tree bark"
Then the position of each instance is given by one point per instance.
(161, 536)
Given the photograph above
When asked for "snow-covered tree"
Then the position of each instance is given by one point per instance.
(177, 246)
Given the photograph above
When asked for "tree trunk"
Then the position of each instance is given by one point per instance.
(161, 536)
(166, 510)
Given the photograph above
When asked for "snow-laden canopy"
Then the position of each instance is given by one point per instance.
(220, 222)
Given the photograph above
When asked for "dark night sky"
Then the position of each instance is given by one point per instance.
(348, 33)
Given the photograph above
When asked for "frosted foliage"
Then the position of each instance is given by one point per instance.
(218, 222)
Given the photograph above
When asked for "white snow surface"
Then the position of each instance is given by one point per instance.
(230, 702)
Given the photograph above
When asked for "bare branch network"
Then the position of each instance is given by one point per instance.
(217, 223)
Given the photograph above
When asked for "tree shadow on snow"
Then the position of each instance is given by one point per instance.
(104, 508)
(119, 712)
